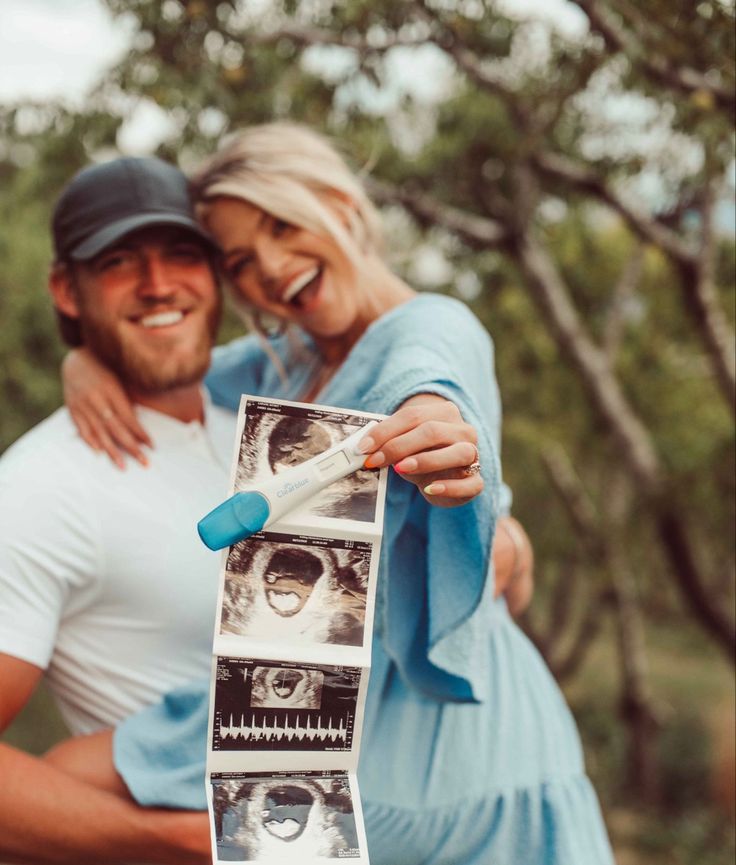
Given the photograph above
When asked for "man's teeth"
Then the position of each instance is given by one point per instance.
(298, 283)
(162, 319)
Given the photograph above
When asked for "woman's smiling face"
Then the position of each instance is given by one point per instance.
(286, 270)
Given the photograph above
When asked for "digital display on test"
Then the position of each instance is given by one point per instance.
(331, 465)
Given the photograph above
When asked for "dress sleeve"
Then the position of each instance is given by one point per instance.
(161, 751)
(440, 577)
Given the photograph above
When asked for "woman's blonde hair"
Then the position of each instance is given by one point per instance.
(296, 175)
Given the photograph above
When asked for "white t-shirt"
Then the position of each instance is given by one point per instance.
(103, 580)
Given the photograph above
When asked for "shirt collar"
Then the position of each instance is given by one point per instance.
(218, 428)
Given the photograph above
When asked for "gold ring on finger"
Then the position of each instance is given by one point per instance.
(474, 467)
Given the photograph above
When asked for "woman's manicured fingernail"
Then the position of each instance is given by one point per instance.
(366, 445)
(434, 489)
(374, 460)
(407, 465)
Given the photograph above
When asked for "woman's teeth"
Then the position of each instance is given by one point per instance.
(162, 319)
(299, 283)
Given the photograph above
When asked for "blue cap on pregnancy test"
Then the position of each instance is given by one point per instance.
(247, 512)
(236, 519)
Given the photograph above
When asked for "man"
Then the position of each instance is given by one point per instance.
(103, 583)
(104, 586)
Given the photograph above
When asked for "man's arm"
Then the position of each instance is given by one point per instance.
(513, 559)
(47, 816)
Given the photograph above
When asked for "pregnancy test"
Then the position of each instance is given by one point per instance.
(249, 511)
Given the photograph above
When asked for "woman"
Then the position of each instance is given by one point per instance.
(469, 754)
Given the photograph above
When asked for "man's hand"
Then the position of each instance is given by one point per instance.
(48, 816)
(513, 562)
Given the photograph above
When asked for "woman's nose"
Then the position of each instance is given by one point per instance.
(272, 257)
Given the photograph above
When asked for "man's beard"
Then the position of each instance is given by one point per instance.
(148, 373)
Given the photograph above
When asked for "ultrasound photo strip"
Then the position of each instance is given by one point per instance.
(315, 816)
(270, 708)
(298, 590)
(291, 652)
(277, 435)
(262, 705)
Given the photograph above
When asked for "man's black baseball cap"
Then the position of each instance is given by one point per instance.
(104, 202)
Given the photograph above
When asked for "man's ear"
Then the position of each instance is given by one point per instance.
(62, 290)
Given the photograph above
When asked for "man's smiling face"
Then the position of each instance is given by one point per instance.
(149, 308)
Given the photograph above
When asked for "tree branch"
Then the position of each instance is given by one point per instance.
(565, 668)
(586, 180)
(590, 362)
(702, 301)
(636, 700)
(448, 40)
(656, 67)
(584, 519)
(476, 231)
(606, 543)
(639, 454)
(710, 614)
(308, 36)
(622, 293)
(577, 502)
(560, 608)
(695, 266)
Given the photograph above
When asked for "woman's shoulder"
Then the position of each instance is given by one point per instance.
(428, 301)
(428, 312)
(435, 325)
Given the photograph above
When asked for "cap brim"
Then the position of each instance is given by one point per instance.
(100, 240)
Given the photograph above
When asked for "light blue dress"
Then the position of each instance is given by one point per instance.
(469, 755)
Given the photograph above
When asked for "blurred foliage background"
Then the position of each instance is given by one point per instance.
(574, 185)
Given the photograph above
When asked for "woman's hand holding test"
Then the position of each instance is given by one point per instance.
(430, 445)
